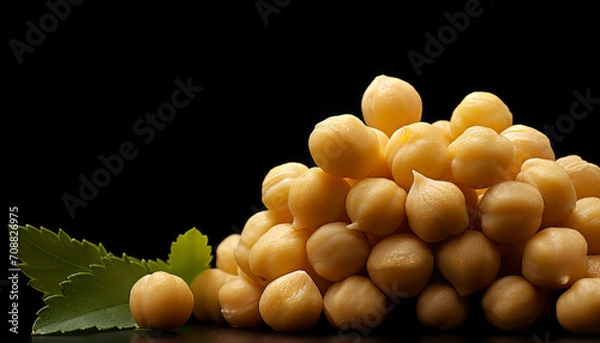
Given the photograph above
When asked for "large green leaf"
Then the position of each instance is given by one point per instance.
(95, 300)
(48, 258)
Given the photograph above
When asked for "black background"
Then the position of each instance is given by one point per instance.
(265, 85)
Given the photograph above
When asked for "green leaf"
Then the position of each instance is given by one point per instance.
(190, 254)
(48, 258)
(94, 300)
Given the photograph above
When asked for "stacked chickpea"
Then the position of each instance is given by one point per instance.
(397, 208)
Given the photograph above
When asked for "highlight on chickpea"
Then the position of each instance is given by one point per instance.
(460, 212)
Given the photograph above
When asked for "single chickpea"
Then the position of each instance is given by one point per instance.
(205, 288)
(254, 228)
(344, 146)
(511, 211)
(389, 103)
(480, 109)
(439, 306)
(238, 300)
(585, 218)
(276, 186)
(527, 143)
(317, 198)
(566, 160)
(578, 308)
(381, 169)
(279, 251)
(354, 304)
(376, 206)
(585, 177)
(336, 252)
(555, 186)
(435, 209)
(555, 258)
(225, 259)
(446, 129)
(469, 261)
(512, 303)
(400, 265)
(480, 157)
(291, 302)
(161, 301)
(417, 147)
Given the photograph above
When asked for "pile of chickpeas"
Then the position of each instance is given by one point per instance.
(397, 208)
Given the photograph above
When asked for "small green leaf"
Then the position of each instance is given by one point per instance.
(190, 254)
(48, 258)
(95, 300)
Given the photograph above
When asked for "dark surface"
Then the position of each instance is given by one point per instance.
(79, 94)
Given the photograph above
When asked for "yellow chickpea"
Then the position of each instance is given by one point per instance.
(512, 303)
(376, 206)
(585, 218)
(578, 308)
(511, 211)
(555, 258)
(585, 177)
(291, 302)
(566, 160)
(555, 186)
(276, 186)
(480, 109)
(400, 265)
(435, 210)
(205, 288)
(344, 146)
(417, 147)
(225, 254)
(446, 129)
(255, 227)
(354, 304)
(161, 301)
(238, 300)
(389, 103)
(480, 157)
(381, 169)
(317, 198)
(469, 261)
(527, 143)
(439, 306)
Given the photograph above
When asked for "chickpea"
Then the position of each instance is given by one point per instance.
(317, 198)
(336, 252)
(435, 209)
(400, 265)
(255, 227)
(291, 302)
(511, 211)
(585, 177)
(593, 266)
(390, 103)
(279, 251)
(480, 157)
(527, 143)
(376, 206)
(578, 308)
(554, 185)
(225, 256)
(512, 303)
(161, 301)
(566, 160)
(469, 261)
(445, 128)
(439, 306)
(276, 186)
(354, 304)
(205, 288)
(585, 218)
(238, 300)
(480, 109)
(555, 258)
(380, 169)
(344, 146)
(417, 147)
